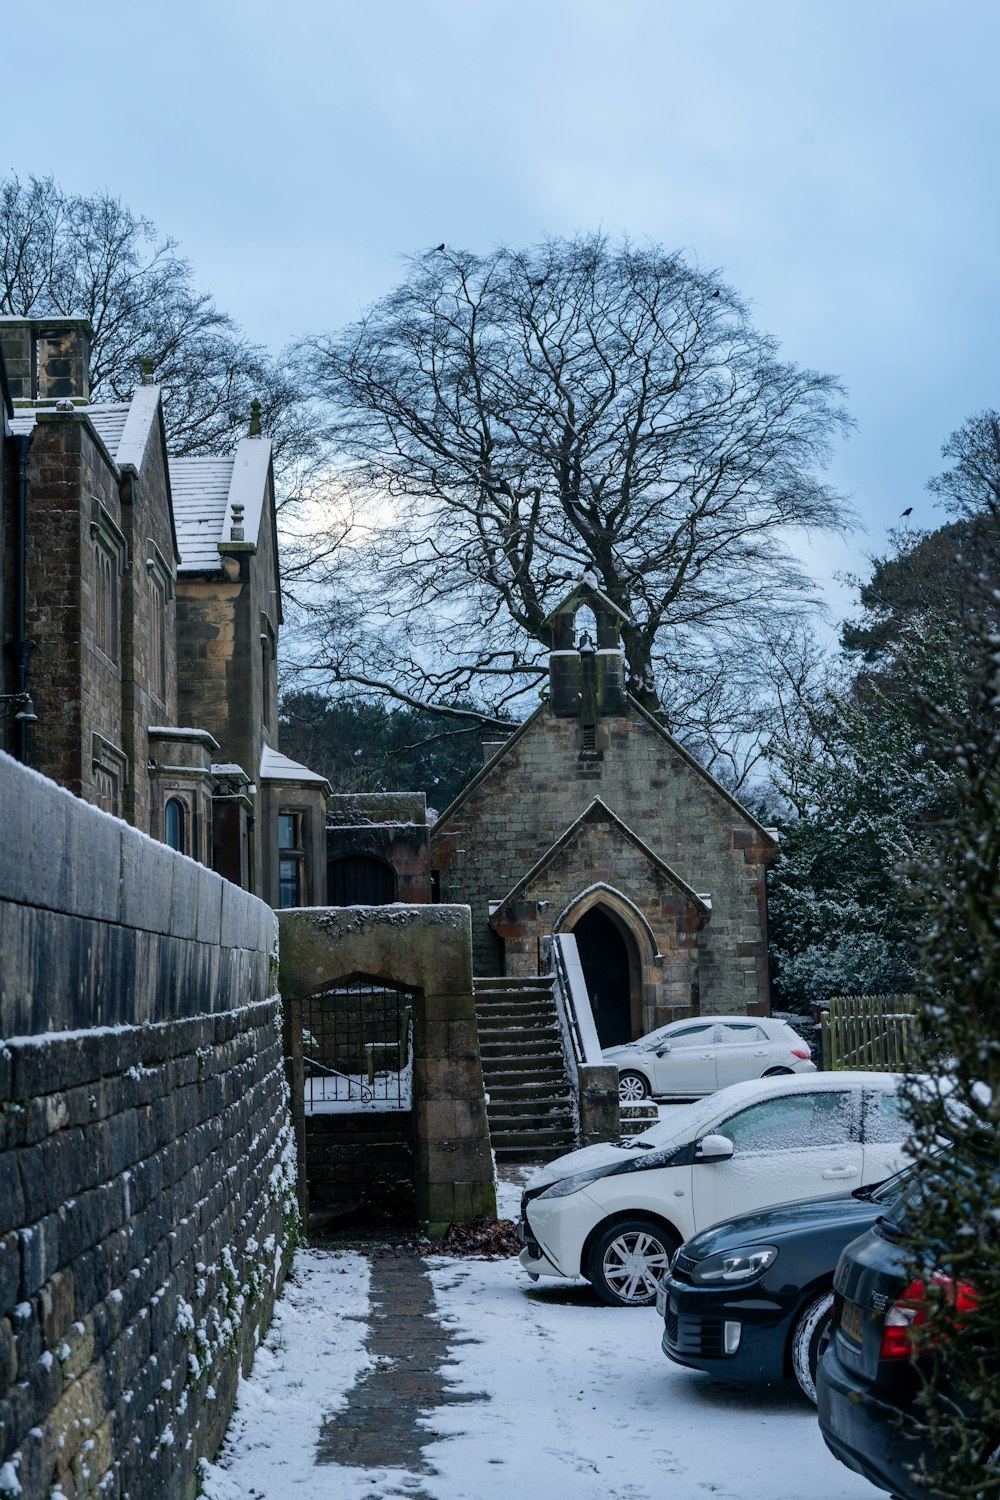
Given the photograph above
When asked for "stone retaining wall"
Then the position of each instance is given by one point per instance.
(147, 1187)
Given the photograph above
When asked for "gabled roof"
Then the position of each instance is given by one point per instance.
(277, 767)
(587, 592)
(205, 490)
(647, 718)
(122, 426)
(600, 812)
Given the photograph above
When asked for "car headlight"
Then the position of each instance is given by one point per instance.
(575, 1183)
(734, 1265)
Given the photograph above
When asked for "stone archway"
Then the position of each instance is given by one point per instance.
(426, 950)
(618, 955)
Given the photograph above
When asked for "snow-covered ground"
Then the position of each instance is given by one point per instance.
(577, 1400)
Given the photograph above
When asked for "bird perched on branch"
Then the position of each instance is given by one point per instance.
(907, 512)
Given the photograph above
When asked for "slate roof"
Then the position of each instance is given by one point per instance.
(200, 490)
(204, 492)
(108, 421)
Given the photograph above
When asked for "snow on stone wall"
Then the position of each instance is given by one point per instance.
(147, 1184)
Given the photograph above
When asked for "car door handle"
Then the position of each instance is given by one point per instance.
(831, 1174)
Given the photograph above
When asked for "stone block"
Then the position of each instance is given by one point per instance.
(39, 1243)
(11, 1195)
(10, 1269)
(8, 1355)
(209, 915)
(147, 882)
(58, 852)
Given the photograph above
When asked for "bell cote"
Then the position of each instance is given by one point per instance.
(586, 676)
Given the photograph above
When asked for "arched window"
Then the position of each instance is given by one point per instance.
(174, 818)
(360, 880)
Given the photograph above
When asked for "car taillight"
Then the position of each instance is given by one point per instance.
(802, 1052)
(909, 1311)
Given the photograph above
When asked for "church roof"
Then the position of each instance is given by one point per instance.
(599, 811)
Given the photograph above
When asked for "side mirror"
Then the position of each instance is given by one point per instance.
(713, 1148)
(663, 1049)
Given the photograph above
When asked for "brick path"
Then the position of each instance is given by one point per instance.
(380, 1428)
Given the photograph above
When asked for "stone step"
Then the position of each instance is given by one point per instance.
(531, 1088)
(530, 1140)
(528, 1015)
(509, 1109)
(501, 1025)
(522, 1036)
(512, 982)
(518, 1156)
(527, 1070)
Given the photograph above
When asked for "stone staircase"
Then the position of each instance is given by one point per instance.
(531, 1109)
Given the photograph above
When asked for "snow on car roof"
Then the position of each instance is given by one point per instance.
(682, 1118)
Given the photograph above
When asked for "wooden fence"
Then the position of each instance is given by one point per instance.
(876, 1033)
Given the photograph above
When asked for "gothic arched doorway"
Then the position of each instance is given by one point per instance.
(608, 967)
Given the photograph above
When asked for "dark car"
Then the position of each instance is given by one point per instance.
(867, 1376)
(751, 1299)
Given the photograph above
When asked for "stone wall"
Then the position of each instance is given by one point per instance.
(146, 1164)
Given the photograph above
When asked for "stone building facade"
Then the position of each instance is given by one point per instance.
(591, 818)
(378, 849)
(141, 608)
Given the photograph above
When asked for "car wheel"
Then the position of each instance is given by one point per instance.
(809, 1340)
(632, 1087)
(628, 1261)
(776, 1072)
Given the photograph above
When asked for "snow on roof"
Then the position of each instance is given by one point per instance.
(200, 490)
(204, 493)
(142, 411)
(251, 466)
(109, 422)
(277, 767)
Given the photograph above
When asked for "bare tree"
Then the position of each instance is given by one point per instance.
(508, 421)
(69, 255)
(971, 487)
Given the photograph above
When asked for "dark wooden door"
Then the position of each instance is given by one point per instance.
(604, 959)
(360, 880)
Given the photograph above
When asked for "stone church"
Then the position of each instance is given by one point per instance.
(592, 819)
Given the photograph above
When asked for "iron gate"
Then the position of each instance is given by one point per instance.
(356, 1049)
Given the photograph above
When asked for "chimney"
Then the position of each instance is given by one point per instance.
(48, 359)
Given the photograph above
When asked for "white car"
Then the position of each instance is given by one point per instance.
(616, 1213)
(697, 1056)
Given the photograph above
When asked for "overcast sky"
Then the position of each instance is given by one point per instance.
(837, 162)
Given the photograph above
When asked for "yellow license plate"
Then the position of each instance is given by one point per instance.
(852, 1321)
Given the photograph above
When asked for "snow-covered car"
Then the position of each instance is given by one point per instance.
(615, 1213)
(689, 1058)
